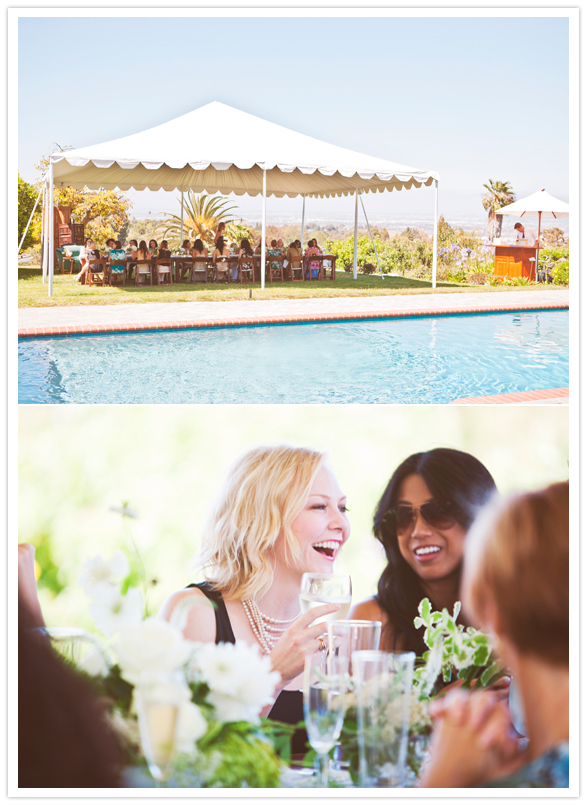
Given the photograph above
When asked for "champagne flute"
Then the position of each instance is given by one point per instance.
(326, 588)
(158, 699)
(324, 705)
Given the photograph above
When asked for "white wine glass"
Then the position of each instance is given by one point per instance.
(158, 699)
(324, 705)
(326, 588)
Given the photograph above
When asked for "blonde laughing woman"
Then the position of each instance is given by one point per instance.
(281, 513)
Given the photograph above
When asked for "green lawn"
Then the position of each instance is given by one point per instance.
(67, 291)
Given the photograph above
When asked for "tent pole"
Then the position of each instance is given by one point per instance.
(44, 234)
(29, 221)
(263, 224)
(181, 231)
(371, 236)
(355, 240)
(435, 242)
(303, 221)
(51, 225)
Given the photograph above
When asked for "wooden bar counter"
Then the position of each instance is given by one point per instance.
(514, 261)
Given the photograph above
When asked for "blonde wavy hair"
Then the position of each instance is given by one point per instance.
(264, 492)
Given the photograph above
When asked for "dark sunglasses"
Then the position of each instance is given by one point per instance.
(436, 514)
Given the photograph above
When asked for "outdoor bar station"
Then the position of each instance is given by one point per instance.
(515, 261)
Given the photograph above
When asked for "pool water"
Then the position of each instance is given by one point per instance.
(418, 360)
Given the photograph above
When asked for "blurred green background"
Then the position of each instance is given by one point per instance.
(168, 462)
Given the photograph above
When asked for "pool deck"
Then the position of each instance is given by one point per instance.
(181, 315)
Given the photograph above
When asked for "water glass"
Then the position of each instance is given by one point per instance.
(383, 684)
(158, 700)
(346, 637)
(326, 588)
(324, 705)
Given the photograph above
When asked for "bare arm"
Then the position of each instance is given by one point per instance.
(193, 613)
(27, 582)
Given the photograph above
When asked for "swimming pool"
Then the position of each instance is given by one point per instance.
(409, 360)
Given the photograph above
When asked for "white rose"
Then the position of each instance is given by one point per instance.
(151, 645)
(94, 663)
(191, 726)
(112, 611)
(97, 571)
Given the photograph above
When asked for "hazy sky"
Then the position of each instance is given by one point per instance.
(473, 98)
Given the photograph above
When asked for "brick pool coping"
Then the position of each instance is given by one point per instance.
(294, 318)
(515, 397)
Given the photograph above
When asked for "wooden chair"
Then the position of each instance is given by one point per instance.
(97, 270)
(274, 268)
(181, 266)
(246, 265)
(330, 260)
(200, 266)
(222, 268)
(65, 259)
(143, 269)
(119, 275)
(291, 270)
(163, 270)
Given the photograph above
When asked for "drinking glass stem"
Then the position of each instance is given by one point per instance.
(323, 762)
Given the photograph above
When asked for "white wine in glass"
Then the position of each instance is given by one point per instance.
(322, 588)
(324, 705)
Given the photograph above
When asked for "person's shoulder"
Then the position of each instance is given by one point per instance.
(193, 612)
(367, 610)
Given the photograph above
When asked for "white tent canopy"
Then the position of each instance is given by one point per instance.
(219, 149)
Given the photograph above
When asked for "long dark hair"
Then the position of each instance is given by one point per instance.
(246, 247)
(461, 483)
(220, 243)
(198, 245)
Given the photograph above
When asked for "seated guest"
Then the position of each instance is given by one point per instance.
(133, 247)
(110, 244)
(91, 253)
(431, 499)
(164, 251)
(199, 249)
(516, 586)
(221, 266)
(64, 740)
(143, 252)
(274, 251)
(280, 245)
(153, 247)
(244, 251)
(186, 246)
(117, 253)
(312, 267)
(279, 505)
(294, 258)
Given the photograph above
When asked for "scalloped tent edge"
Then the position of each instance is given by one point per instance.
(219, 149)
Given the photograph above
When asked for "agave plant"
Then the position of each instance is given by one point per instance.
(499, 194)
(202, 214)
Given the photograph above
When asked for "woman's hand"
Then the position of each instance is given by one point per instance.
(472, 740)
(301, 639)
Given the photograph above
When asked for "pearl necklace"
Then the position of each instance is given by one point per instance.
(266, 629)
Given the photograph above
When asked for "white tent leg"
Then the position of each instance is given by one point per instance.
(303, 222)
(356, 228)
(435, 242)
(181, 232)
(51, 225)
(29, 221)
(263, 227)
(44, 246)
(372, 241)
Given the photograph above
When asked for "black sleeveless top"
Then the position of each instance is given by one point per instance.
(289, 705)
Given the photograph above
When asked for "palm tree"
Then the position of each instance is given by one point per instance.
(202, 214)
(499, 195)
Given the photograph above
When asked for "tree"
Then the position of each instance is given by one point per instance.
(202, 214)
(27, 195)
(104, 213)
(499, 194)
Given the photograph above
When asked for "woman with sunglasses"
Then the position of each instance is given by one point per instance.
(422, 521)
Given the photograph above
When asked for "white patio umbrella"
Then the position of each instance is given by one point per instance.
(540, 204)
